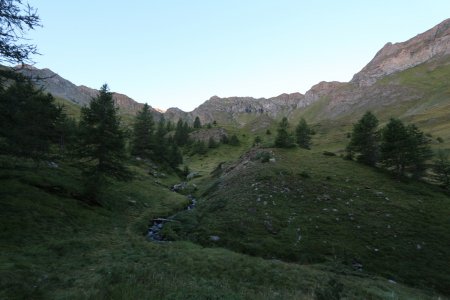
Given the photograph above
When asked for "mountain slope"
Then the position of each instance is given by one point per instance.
(80, 95)
(378, 86)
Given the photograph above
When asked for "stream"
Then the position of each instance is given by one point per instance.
(155, 227)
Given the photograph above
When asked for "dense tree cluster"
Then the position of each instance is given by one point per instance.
(30, 121)
(302, 135)
(284, 138)
(398, 147)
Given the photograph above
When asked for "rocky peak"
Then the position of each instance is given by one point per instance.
(392, 58)
(322, 89)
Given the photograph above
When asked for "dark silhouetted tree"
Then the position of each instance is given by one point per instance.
(365, 140)
(29, 121)
(143, 133)
(284, 139)
(181, 136)
(441, 168)
(197, 123)
(161, 144)
(234, 140)
(404, 147)
(16, 18)
(174, 156)
(303, 134)
(419, 150)
(101, 143)
(257, 141)
(199, 147)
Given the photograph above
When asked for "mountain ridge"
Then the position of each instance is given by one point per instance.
(337, 98)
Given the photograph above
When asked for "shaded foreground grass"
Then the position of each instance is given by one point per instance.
(314, 209)
(55, 247)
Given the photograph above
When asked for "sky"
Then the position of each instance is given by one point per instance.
(179, 53)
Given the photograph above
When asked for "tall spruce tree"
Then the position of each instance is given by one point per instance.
(364, 140)
(29, 121)
(441, 168)
(197, 123)
(404, 148)
(419, 150)
(303, 134)
(101, 143)
(284, 139)
(143, 133)
(181, 136)
(161, 145)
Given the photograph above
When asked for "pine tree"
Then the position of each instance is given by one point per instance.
(197, 123)
(174, 156)
(160, 146)
(303, 134)
(364, 140)
(419, 150)
(143, 133)
(441, 168)
(404, 147)
(101, 143)
(181, 136)
(234, 140)
(29, 121)
(257, 141)
(284, 139)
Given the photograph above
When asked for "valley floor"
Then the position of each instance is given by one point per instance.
(56, 247)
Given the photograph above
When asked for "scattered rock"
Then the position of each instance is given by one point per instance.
(53, 165)
(192, 175)
(214, 238)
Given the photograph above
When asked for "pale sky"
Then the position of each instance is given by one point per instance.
(179, 53)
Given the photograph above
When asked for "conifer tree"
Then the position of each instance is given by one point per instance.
(441, 168)
(303, 134)
(143, 133)
(174, 156)
(404, 147)
(419, 150)
(284, 139)
(234, 140)
(29, 120)
(161, 146)
(197, 123)
(364, 139)
(181, 136)
(101, 143)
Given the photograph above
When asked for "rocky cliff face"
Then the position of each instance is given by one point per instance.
(228, 109)
(392, 58)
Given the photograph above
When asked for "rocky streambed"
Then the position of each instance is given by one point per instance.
(156, 225)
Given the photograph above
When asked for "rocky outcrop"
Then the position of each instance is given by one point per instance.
(231, 108)
(174, 114)
(205, 134)
(392, 58)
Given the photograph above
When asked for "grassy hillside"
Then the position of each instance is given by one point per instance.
(55, 247)
(314, 209)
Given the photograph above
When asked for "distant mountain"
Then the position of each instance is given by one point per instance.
(380, 85)
(81, 95)
(403, 80)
